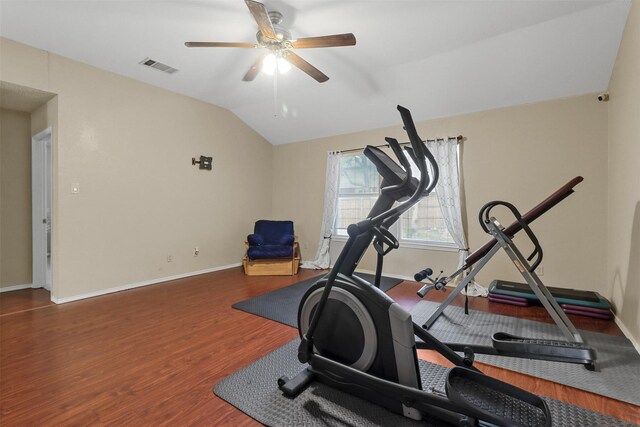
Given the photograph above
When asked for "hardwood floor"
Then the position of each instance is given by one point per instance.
(24, 300)
(152, 355)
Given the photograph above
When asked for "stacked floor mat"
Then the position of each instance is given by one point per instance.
(583, 303)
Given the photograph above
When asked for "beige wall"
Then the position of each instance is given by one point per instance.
(44, 117)
(15, 198)
(623, 266)
(520, 154)
(129, 145)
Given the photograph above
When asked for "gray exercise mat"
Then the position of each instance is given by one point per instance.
(617, 372)
(281, 305)
(254, 391)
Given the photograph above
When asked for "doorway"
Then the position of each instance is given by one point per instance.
(41, 207)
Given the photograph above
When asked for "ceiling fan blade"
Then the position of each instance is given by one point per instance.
(305, 66)
(347, 39)
(219, 44)
(255, 69)
(261, 16)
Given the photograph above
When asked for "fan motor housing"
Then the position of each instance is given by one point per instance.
(282, 34)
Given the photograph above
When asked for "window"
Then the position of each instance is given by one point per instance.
(359, 188)
(424, 224)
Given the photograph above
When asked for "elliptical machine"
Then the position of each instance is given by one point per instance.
(356, 338)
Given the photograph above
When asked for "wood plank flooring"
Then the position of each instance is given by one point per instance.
(24, 300)
(151, 356)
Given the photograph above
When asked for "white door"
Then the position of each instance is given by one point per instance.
(41, 191)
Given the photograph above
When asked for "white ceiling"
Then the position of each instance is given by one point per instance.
(437, 58)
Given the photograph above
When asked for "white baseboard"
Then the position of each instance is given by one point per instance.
(140, 284)
(626, 333)
(16, 287)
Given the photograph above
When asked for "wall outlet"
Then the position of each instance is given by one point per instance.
(540, 270)
(169, 258)
(196, 251)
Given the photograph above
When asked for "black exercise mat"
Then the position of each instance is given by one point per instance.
(617, 366)
(281, 305)
(254, 391)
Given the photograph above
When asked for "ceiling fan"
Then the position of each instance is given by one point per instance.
(277, 40)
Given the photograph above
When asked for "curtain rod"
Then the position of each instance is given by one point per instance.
(460, 138)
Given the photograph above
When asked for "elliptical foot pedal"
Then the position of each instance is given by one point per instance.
(293, 386)
(495, 401)
(545, 349)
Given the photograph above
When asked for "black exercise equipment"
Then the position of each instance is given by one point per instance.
(356, 338)
(574, 349)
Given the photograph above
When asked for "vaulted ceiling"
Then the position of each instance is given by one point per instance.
(438, 58)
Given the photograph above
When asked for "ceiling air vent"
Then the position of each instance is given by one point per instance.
(158, 66)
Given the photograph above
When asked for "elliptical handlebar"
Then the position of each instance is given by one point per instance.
(422, 154)
(425, 184)
(434, 168)
(404, 162)
(420, 151)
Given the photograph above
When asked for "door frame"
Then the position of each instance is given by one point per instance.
(41, 207)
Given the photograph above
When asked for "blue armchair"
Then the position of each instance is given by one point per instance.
(272, 249)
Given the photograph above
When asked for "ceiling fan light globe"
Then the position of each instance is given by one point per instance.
(283, 66)
(269, 64)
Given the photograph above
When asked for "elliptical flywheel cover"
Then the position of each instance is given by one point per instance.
(353, 339)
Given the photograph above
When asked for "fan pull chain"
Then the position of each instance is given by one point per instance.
(275, 91)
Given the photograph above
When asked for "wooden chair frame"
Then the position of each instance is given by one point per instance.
(272, 266)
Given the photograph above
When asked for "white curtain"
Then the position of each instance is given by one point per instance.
(329, 213)
(448, 191)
